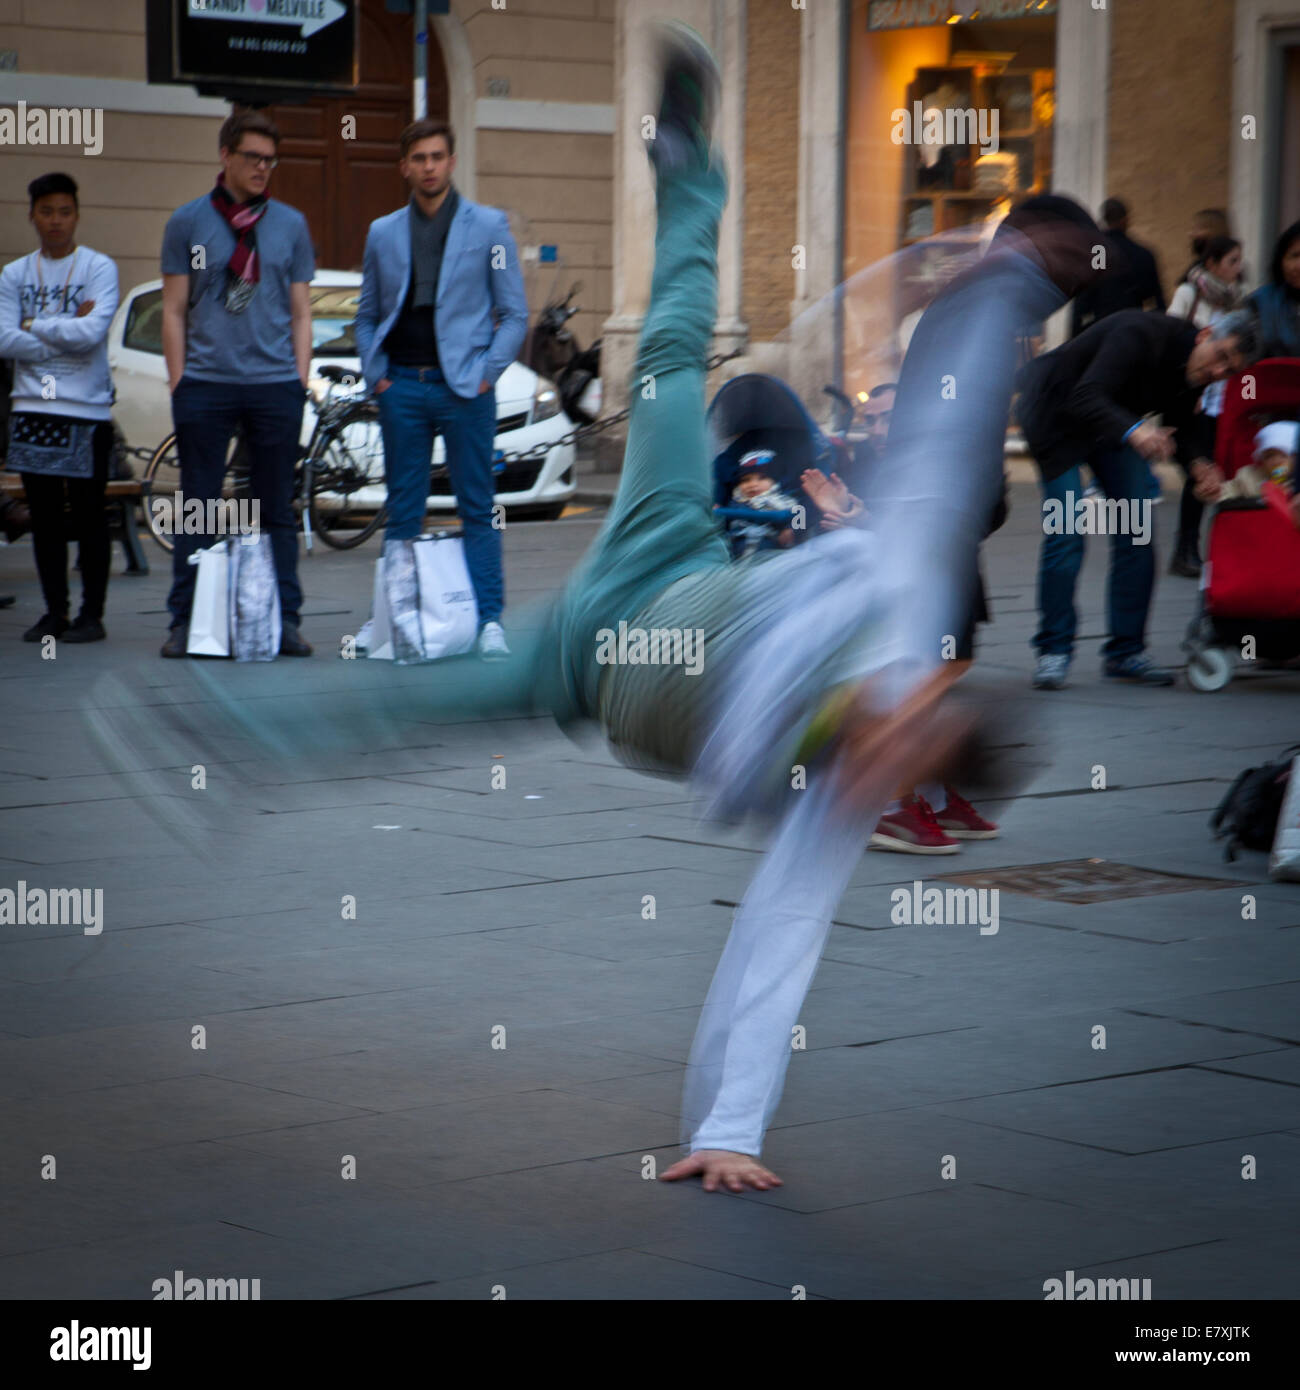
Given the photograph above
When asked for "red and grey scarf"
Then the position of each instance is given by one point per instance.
(1218, 294)
(244, 270)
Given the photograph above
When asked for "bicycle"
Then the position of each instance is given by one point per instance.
(344, 457)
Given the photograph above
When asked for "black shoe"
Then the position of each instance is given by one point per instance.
(45, 626)
(688, 102)
(291, 644)
(7, 600)
(85, 630)
(175, 643)
(1186, 560)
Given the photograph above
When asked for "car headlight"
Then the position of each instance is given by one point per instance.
(546, 401)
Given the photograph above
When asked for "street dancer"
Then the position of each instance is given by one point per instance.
(822, 681)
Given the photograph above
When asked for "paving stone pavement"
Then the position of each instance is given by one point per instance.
(951, 1129)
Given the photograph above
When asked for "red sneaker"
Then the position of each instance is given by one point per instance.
(912, 829)
(960, 820)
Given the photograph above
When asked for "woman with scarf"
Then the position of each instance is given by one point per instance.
(1210, 291)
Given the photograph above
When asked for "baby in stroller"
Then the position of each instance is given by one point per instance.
(1249, 612)
(1274, 461)
(760, 514)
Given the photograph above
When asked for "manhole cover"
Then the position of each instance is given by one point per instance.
(1086, 881)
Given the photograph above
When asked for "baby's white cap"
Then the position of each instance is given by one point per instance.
(1281, 434)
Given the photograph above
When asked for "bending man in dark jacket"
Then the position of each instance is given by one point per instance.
(1085, 403)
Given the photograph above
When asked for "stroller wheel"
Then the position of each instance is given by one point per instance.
(1209, 669)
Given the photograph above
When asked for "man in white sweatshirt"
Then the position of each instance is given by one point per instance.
(56, 305)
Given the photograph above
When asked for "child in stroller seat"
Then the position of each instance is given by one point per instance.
(1274, 460)
(760, 514)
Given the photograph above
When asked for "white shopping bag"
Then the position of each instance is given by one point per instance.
(424, 604)
(254, 600)
(1284, 862)
(210, 613)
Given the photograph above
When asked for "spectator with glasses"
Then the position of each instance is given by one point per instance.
(237, 267)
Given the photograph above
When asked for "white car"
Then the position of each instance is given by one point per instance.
(529, 418)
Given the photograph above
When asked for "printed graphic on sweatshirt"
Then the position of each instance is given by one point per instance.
(44, 301)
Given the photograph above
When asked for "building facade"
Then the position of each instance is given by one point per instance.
(1172, 105)
(836, 189)
(527, 87)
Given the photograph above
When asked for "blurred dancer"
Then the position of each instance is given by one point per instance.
(822, 682)
(896, 605)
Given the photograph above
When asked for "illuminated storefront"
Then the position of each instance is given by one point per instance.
(950, 111)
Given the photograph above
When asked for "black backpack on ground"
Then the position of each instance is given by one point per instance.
(1247, 815)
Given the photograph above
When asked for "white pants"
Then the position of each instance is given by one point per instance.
(742, 1045)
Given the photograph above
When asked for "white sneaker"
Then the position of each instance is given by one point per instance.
(365, 635)
(1051, 671)
(492, 642)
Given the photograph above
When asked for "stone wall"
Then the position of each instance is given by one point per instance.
(774, 33)
(1171, 120)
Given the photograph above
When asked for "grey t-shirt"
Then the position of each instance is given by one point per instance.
(257, 345)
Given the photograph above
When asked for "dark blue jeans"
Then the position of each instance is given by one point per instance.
(417, 406)
(1119, 473)
(206, 415)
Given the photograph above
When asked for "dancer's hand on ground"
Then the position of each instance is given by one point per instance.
(723, 1168)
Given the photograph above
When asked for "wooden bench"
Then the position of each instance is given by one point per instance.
(120, 499)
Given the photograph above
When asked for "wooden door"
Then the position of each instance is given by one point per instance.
(338, 155)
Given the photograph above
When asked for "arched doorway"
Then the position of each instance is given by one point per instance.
(342, 184)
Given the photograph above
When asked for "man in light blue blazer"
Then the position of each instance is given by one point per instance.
(442, 314)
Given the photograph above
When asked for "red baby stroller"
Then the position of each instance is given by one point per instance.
(1250, 582)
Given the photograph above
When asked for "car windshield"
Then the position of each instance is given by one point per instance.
(333, 310)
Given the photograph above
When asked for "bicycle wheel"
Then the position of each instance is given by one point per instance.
(344, 475)
(162, 476)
